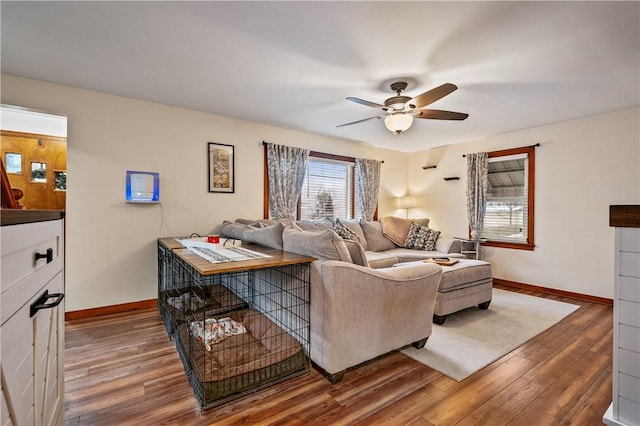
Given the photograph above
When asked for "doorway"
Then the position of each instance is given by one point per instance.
(34, 152)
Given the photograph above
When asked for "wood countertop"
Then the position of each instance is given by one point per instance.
(19, 216)
(624, 216)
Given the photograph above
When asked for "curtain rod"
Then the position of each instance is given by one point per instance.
(323, 154)
(530, 146)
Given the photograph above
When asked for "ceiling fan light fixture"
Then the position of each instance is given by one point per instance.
(398, 123)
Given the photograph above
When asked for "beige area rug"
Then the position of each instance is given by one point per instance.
(473, 338)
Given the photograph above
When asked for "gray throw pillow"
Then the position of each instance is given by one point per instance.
(325, 245)
(421, 237)
(376, 241)
(233, 230)
(268, 236)
(358, 256)
(315, 225)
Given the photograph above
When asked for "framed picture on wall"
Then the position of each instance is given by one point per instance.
(221, 168)
(13, 162)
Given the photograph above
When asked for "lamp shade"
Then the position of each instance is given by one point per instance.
(398, 123)
(407, 202)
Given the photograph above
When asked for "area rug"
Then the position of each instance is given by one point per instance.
(473, 338)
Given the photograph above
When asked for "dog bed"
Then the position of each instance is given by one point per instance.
(179, 304)
(263, 354)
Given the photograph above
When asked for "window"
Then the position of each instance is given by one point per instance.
(328, 189)
(508, 220)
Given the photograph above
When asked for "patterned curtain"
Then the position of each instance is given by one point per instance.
(368, 185)
(286, 167)
(477, 184)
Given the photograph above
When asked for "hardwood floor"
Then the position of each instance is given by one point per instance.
(123, 369)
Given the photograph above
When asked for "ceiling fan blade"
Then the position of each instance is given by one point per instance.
(367, 103)
(437, 114)
(432, 95)
(360, 121)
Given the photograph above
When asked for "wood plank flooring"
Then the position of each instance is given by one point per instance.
(122, 369)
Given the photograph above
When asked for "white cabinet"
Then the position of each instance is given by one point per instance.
(625, 408)
(32, 315)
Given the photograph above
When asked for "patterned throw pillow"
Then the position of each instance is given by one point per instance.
(344, 232)
(421, 237)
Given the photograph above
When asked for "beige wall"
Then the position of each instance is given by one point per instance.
(111, 251)
(582, 167)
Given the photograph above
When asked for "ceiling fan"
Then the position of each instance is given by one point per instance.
(399, 111)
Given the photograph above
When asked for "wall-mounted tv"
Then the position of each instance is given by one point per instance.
(142, 187)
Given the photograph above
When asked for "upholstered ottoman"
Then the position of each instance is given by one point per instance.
(464, 284)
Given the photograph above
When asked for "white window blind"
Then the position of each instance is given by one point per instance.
(327, 190)
(506, 215)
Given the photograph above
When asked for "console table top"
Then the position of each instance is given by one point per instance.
(204, 267)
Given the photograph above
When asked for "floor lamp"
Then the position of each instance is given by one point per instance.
(407, 202)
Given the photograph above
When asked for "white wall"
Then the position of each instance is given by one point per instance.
(582, 167)
(111, 245)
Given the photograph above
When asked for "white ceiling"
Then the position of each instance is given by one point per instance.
(291, 64)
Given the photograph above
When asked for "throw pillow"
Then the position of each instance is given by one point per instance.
(325, 245)
(354, 225)
(344, 232)
(233, 230)
(358, 256)
(376, 241)
(269, 236)
(421, 237)
(315, 225)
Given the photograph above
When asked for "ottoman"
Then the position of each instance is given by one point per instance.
(464, 284)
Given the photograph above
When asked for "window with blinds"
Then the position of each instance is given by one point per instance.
(508, 220)
(327, 190)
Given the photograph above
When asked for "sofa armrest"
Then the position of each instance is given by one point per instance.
(448, 245)
(359, 313)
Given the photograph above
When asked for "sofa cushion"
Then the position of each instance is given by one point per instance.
(354, 225)
(315, 224)
(344, 232)
(233, 230)
(358, 255)
(325, 245)
(381, 259)
(268, 236)
(376, 241)
(448, 245)
(408, 255)
(421, 237)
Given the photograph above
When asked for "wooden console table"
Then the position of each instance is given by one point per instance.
(275, 289)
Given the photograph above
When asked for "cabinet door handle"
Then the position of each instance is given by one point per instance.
(48, 255)
(41, 302)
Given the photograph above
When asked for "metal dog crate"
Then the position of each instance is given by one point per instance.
(268, 302)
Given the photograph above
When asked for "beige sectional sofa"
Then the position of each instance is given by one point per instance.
(361, 305)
